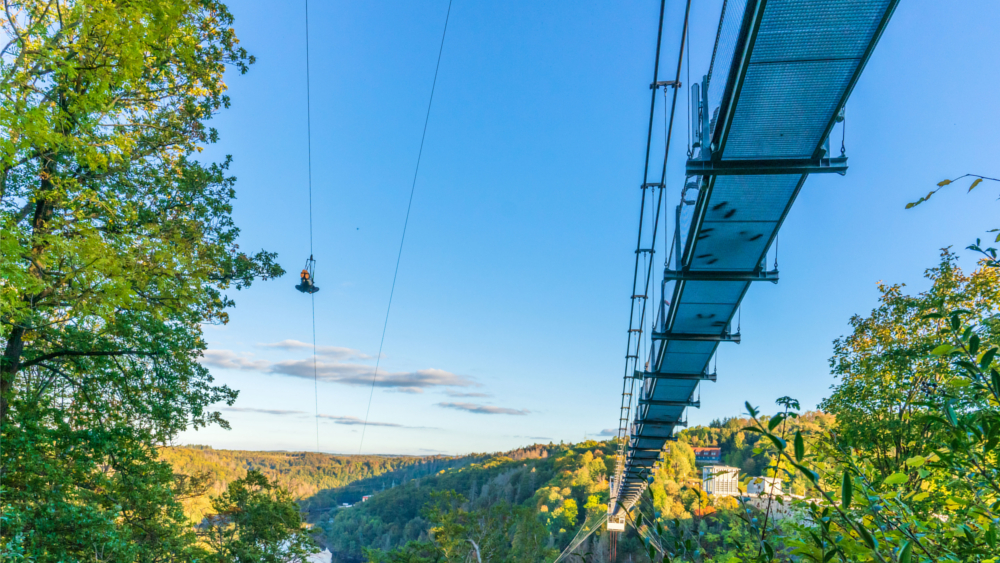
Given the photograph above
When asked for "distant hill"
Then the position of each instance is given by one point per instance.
(563, 484)
(330, 479)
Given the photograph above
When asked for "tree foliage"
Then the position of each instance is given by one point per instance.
(117, 244)
(910, 473)
(886, 368)
(256, 521)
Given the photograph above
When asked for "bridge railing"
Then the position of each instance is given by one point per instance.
(726, 39)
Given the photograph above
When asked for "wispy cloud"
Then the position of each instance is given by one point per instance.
(329, 368)
(451, 393)
(482, 409)
(261, 411)
(361, 375)
(331, 352)
(227, 359)
(355, 421)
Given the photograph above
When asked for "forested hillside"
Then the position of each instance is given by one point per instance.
(554, 487)
(326, 480)
(542, 492)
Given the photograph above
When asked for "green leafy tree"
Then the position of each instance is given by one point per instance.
(117, 245)
(942, 502)
(411, 552)
(886, 370)
(256, 521)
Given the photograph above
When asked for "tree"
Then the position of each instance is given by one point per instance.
(885, 367)
(257, 521)
(942, 502)
(411, 552)
(117, 244)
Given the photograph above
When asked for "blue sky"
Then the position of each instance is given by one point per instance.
(510, 313)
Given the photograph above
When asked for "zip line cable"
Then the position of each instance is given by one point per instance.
(406, 221)
(312, 296)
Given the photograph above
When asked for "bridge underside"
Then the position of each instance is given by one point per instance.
(772, 102)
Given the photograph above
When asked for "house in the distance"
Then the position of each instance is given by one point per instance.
(707, 455)
(764, 486)
(720, 480)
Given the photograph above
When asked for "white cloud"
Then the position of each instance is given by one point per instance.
(482, 409)
(227, 359)
(355, 421)
(330, 352)
(328, 368)
(261, 411)
(361, 375)
(451, 393)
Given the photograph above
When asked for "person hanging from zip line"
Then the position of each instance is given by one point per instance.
(306, 284)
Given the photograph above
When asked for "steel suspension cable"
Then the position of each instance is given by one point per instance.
(312, 296)
(406, 221)
(622, 424)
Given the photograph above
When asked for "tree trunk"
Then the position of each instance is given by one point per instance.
(11, 362)
(9, 366)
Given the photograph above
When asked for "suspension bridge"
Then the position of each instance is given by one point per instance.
(761, 121)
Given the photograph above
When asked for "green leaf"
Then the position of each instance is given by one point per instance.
(778, 442)
(943, 183)
(638, 520)
(987, 358)
(769, 550)
(800, 446)
(775, 421)
(976, 183)
(916, 461)
(812, 475)
(942, 349)
(869, 540)
(652, 553)
(950, 412)
(995, 378)
(896, 479)
(905, 554)
(846, 490)
(659, 528)
(974, 344)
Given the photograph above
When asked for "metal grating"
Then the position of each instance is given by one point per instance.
(801, 62)
(816, 29)
(761, 198)
(735, 245)
(784, 108)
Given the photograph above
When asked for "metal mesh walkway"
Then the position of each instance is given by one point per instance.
(781, 74)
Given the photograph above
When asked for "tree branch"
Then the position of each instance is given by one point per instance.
(67, 353)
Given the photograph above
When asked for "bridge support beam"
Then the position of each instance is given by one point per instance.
(798, 166)
(689, 275)
(675, 376)
(694, 337)
(655, 403)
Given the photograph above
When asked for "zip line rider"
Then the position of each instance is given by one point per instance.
(306, 284)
